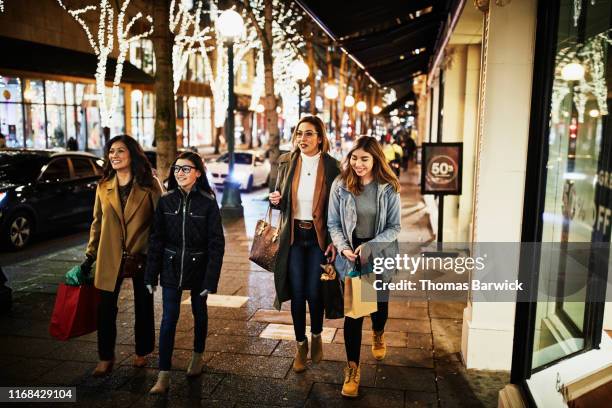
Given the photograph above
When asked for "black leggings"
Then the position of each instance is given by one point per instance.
(352, 327)
(352, 330)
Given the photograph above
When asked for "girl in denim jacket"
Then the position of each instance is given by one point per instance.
(363, 221)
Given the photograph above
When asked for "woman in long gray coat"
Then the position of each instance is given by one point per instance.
(363, 221)
(305, 176)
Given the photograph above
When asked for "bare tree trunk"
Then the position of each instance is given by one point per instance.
(270, 100)
(165, 114)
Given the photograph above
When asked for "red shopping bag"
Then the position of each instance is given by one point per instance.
(75, 312)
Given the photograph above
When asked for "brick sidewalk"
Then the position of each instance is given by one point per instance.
(249, 349)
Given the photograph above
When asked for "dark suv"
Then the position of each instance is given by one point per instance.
(41, 190)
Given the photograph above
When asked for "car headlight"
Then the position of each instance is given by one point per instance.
(2, 196)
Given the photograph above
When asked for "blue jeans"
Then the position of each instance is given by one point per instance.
(305, 258)
(172, 309)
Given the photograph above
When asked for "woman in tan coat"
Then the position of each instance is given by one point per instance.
(125, 203)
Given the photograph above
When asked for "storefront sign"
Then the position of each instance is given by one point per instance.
(441, 164)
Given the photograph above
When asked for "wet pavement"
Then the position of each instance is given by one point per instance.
(249, 350)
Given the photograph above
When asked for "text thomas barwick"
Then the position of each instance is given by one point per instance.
(425, 284)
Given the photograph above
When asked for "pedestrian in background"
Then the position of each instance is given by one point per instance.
(186, 250)
(305, 176)
(125, 202)
(363, 221)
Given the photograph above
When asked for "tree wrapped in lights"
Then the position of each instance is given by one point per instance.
(217, 77)
(276, 23)
(189, 36)
(103, 45)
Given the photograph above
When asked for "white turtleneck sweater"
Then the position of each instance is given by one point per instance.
(306, 187)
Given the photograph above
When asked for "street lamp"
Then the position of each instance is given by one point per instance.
(230, 26)
(300, 72)
(331, 93)
(349, 101)
(376, 109)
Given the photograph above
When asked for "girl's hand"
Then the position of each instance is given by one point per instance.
(151, 288)
(363, 252)
(275, 197)
(349, 254)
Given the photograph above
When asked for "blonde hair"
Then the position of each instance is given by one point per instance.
(320, 128)
(381, 171)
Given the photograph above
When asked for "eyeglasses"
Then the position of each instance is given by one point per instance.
(186, 169)
(305, 135)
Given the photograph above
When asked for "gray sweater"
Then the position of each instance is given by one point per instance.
(366, 211)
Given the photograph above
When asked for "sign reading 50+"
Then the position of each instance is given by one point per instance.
(442, 168)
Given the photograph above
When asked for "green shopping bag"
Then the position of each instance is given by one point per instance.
(75, 277)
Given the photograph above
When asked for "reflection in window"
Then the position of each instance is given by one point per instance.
(578, 111)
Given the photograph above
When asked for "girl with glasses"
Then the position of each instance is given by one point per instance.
(364, 221)
(305, 176)
(186, 249)
(125, 201)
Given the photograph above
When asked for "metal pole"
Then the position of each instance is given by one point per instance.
(299, 100)
(231, 204)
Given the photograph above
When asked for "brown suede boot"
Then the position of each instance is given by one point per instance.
(103, 368)
(379, 348)
(301, 355)
(195, 365)
(352, 376)
(316, 349)
(163, 383)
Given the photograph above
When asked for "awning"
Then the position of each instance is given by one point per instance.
(29, 56)
(391, 40)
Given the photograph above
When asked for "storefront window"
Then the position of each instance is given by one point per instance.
(194, 126)
(142, 56)
(579, 130)
(11, 113)
(143, 117)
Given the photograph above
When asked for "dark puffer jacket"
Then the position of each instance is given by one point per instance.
(186, 244)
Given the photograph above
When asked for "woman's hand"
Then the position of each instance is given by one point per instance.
(330, 253)
(275, 197)
(349, 254)
(151, 288)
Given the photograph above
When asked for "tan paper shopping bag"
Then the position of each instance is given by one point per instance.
(359, 296)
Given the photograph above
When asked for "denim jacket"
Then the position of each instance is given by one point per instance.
(342, 220)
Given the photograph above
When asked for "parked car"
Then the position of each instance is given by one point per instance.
(41, 190)
(250, 169)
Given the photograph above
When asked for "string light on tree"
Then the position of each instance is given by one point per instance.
(189, 36)
(103, 46)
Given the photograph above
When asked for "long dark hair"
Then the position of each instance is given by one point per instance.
(139, 164)
(381, 171)
(201, 182)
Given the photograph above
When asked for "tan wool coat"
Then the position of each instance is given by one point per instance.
(110, 224)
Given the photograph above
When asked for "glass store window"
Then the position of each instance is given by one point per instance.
(578, 135)
(194, 126)
(11, 112)
(143, 117)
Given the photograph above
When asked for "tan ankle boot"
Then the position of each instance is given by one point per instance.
(316, 349)
(104, 367)
(301, 355)
(196, 365)
(163, 383)
(379, 348)
(352, 376)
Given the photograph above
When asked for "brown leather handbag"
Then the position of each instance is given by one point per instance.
(265, 243)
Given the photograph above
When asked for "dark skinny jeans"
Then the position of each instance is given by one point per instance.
(172, 308)
(305, 258)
